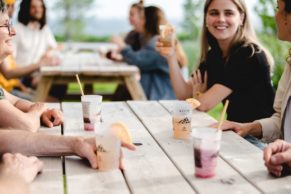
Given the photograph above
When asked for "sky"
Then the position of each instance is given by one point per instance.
(119, 8)
(117, 12)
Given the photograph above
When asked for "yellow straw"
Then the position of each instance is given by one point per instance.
(77, 76)
(222, 114)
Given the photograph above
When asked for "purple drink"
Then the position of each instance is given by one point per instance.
(205, 162)
(206, 144)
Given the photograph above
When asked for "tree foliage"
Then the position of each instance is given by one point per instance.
(266, 11)
(72, 16)
(192, 17)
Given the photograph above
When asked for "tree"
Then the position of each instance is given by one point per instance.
(72, 16)
(266, 12)
(192, 17)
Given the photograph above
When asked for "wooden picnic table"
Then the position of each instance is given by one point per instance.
(161, 164)
(91, 69)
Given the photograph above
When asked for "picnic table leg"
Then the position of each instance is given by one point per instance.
(42, 89)
(134, 88)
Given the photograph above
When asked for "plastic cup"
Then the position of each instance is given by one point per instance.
(206, 145)
(108, 151)
(166, 35)
(91, 105)
(181, 119)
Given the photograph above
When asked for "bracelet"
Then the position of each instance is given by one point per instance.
(197, 94)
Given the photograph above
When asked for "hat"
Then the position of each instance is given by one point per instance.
(9, 2)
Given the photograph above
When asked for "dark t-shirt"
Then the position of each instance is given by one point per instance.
(248, 76)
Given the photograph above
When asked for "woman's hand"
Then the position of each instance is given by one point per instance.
(167, 52)
(241, 129)
(199, 85)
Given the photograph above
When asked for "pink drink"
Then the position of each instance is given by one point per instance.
(91, 107)
(205, 162)
(89, 124)
(206, 144)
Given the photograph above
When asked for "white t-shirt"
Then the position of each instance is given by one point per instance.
(30, 44)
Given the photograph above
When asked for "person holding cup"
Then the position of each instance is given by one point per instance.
(154, 69)
(232, 65)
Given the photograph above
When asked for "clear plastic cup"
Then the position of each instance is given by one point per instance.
(91, 106)
(166, 35)
(108, 150)
(206, 145)
(181, 119)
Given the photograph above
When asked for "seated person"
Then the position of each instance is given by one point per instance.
(154, 68)
(25, 115)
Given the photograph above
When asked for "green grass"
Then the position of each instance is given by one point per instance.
(102, 88)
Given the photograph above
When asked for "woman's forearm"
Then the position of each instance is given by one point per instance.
(182, 89)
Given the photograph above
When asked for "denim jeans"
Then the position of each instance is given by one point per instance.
(256, 142)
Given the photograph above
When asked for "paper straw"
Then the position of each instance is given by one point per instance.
(222, 114)
(81, 89)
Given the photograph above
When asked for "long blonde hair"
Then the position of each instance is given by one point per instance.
(245, 34)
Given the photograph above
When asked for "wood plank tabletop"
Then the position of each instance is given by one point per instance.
(148, 169)
(161, 164)
(244, 157)
(51, 179)
(227, 180)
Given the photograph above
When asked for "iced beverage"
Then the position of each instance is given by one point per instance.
(182, 126)
(206, 149)
(108, 151)
(166, 35)
(91, 106)
(181, 119)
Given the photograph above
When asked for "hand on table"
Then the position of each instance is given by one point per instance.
(241, 129)
(86, 148)
(52, 117)
(275, 155)
(20, 166)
